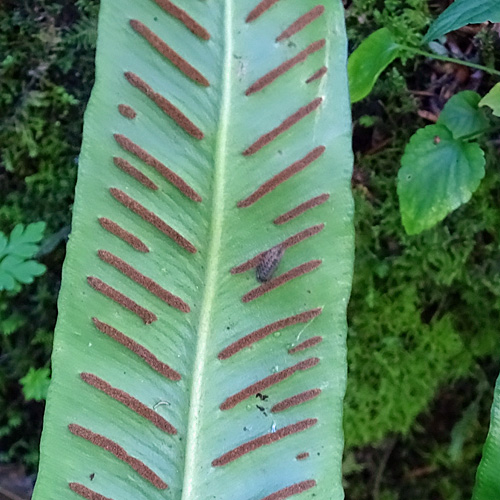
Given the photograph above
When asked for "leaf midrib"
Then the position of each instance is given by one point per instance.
(213, 256)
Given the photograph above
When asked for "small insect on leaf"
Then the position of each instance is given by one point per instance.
(268, 263)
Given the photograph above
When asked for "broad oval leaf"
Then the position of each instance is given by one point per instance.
(492, 100)
(462, 116)
(368, 61)
(438, 174)
(216, 132)
(487, 478)
(463, 12)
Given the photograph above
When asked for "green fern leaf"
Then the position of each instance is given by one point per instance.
(36, 383)
(23, 241)
(15, 254)
(217, 140)
(487, 484)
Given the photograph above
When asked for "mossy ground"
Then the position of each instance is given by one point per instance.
(424, 312)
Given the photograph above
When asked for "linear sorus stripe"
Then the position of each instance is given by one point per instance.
(152, 218)
(300, 209)
(298, 399)
(163, 170)
(270, 77)
(184, 18)
(156, 42)
(130, 402)
(260, 9)
(87, 493)
(302, 456)
(137, 349)
(129, 169)
(290, 491)
(267, 382)
(165, 105)
(114, 448)
(315, 76)
(264, 440)
(147, 316)
(302, 22)
(280, 280)
(144, 281)
(306, 344)
(124, 235)
(267, 330)
(288, 123)
(282, 176)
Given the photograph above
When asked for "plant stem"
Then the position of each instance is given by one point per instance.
(475, 135)
(491, 71)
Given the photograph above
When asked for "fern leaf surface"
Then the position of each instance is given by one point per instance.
(216, 131)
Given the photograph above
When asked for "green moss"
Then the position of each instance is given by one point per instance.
(396, 363)
(422, 307)
(45, 78)
(405, 18)
(424, 311)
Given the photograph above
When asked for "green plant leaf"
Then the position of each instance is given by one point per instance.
(463, 430)
(50, 243)
(3, 244)
(438, 174)
(11, 324)
(21, 270)
(173, 367)
(14, 270)
(487, 478)
(463, 12)
(23, 240)
(21, 245)
(462, 116)
(492, 100)
(36, 384)
(368, 61)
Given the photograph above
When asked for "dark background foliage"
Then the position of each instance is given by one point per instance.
(424, 315)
